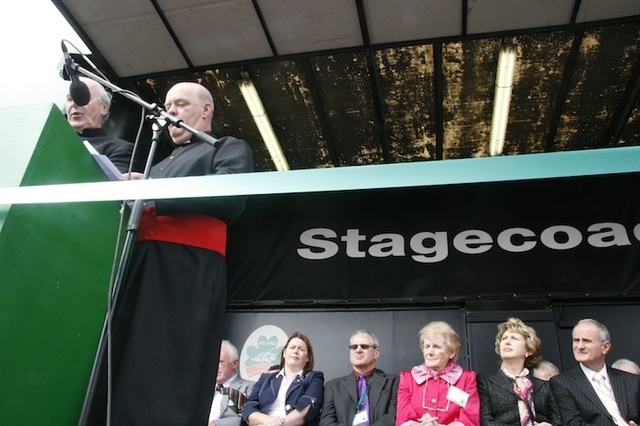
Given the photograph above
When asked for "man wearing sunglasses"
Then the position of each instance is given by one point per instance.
(365, 397)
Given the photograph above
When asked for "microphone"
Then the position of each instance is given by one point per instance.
(78, 90)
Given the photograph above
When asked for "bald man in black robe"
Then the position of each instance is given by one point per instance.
(167, 322)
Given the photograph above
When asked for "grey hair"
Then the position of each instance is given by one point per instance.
(603, 331)
(233, 351)
(545, 367)
(623, 361)
(104, 97)
(366, 334)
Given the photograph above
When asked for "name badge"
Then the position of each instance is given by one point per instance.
(360, 418)
(458, 396)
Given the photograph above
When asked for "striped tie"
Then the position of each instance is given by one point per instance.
(606, 395)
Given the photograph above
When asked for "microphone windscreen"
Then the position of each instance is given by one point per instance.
(80, 93)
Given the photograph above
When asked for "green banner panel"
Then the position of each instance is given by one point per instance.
(55, 264)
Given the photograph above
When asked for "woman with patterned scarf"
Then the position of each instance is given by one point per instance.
(512, 396)
(438, 392)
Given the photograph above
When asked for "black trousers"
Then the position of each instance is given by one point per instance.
(166, 335)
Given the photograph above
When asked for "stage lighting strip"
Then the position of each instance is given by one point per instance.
(430, 173)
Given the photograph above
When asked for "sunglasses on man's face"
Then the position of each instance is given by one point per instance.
(364, 347)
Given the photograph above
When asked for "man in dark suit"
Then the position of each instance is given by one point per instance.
(345, 405)
(231, 389)
(592, 393)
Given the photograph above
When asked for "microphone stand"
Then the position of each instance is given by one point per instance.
(160, 119)
(154, 109)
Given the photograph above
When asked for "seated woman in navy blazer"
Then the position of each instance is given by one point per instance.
(291, 395)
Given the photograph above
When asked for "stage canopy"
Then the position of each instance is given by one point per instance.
(359, 82)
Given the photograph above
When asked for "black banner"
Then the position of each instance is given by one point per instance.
(568, 237)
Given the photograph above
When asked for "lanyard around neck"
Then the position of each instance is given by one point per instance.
(363, 396)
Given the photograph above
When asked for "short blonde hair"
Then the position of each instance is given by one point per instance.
(441, 328)
(531, 340)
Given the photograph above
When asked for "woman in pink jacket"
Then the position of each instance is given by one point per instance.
(439, 392)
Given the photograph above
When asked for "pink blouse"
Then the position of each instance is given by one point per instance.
(420, 392)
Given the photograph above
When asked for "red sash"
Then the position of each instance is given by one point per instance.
(192, 229)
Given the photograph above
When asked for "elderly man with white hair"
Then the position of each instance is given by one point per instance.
(87, 120)
(231, 389)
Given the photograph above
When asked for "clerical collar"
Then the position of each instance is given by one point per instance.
(194, 139)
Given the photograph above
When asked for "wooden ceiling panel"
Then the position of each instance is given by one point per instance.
(469, 81)
(486, 16)
(87, 12)
(284, 89)
(345, 86)
(209, 33)
(596, 10)
(630, 134)
(542, 59)
(309, 26)
(407, 90)
(402, 20)
(136, 45)
(604, 63)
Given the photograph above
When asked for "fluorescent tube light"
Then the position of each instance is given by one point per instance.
(251, 97)
(502, 98)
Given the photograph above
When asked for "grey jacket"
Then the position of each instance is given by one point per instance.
(229, 415)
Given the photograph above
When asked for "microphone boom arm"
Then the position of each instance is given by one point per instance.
(155, 110)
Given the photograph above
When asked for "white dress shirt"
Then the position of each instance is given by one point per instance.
(216, 409)
(278, 408)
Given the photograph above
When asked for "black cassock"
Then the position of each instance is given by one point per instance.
(167, 324)
(117, 150)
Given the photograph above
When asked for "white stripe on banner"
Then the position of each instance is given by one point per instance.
(430, 173)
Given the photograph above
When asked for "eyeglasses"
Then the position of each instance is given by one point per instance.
(364, 347)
